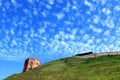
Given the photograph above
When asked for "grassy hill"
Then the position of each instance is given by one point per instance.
(100, 68)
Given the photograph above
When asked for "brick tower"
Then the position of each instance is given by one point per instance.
(31, 63)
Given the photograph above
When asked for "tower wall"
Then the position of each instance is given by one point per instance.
(30, 63)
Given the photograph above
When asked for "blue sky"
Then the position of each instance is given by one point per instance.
(51, 29)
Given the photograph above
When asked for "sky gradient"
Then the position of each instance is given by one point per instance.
(51, 29)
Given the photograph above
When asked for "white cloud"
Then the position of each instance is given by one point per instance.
(90, 5)
(9, 53)
(14, 2)
(96, 19)
(86, 2)
(60, 15)
(46, 24)
(95, 29)
(0, 4)
(13, 58)
(74, 31)
(26, 11)
(67, 41)
(12, 31)
(74, 7)
(112, 39)
(104, 48)
(117, 8)
(51, 2)
(57, 36)
(106, 11)
(35, 12)
(103, 1)
(82, 31)
(7, 31)
(85, 37)
(109, 22)
(90, 41)
(68, 29)
(48, 6)
(27, 41)
(61, 33)
(1, 44)
(117, 30)
(68, 23)
(41, 30)
(71, 47)
(72, 37)
(7, 5)
(98, 41)
(45, 13)
(43, 43)
(56, 48)
(14, 43)
(111, 46)
(60, 1)
(65, 36)
(67, 7)
(107, 33)
(30, 1)
(105, 39)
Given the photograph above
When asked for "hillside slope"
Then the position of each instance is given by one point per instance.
(100, 68)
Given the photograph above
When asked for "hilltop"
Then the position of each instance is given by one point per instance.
(96, 68)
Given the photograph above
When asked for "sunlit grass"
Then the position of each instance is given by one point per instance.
(100, 68)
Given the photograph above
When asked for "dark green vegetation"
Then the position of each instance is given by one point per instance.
(100, 68)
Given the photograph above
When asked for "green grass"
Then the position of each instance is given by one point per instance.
(100, 68)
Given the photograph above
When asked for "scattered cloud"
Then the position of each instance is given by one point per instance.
(71, 32)
(96, 19)
(103, 2)
(98, 41)
(48, 6)
(117, 8)
(13, 58)
(45, 13)
(14, 43)
(31, 1)
(109, 22)
(106, 11)
(95, 29)
(7, 5)
(14, 2)
(74, 31)
(41, 30)
(86, 2)
(51, 2)
(60, 15)
(90, 5)
(74, 7)
(85, 37)
(0, 4)
(107, 33)
(35, 12)
(60, 1)
(67, 7)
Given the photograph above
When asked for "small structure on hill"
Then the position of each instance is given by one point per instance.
(30, 63)
(84, 54)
